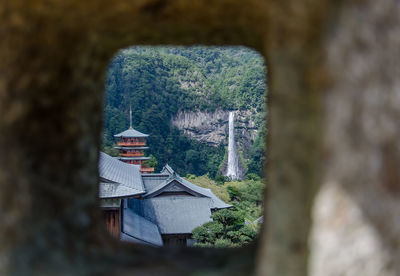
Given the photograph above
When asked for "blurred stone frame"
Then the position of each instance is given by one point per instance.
(56, 54)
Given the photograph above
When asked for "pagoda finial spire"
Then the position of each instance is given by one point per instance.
(130, 116)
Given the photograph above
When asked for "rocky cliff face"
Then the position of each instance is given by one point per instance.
(212, 127)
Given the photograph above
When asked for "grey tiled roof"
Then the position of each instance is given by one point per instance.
(172, 183)
(118, 178)
(130, 132)
(110, 190)
(144, 220)
(190, 187)
(217, 203)
(152, 180)
(174, 214)
(140, 229)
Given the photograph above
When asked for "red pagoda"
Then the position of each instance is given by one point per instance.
(131, 144)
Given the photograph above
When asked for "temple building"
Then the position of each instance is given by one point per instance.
(155, 209)
(174, 204)
(131, 144)
(141, 206)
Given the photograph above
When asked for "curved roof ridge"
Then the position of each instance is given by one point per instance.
(126, 191)
(160, 186)
(217, 202)
(121, 173)
(167, 168)
(123, 184)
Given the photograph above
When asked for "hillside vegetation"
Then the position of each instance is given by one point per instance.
(158, 82)
(236, 226)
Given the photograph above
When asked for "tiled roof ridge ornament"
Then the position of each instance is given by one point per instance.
(171, 177)
(167, 168)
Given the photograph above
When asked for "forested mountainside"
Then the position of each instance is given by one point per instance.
(162, 82)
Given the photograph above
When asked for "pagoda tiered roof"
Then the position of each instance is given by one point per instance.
(134, 158)
(135, 148)
(131, 133)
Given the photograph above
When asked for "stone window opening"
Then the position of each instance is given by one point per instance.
(52, 60)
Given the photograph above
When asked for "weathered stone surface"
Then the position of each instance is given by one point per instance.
(212, 127)
(53, 55)
(361, 142)
(343, 242)
(206, 127)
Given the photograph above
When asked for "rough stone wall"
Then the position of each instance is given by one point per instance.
(343, 241)
(53, 55)
(361, 145)
(297, 78)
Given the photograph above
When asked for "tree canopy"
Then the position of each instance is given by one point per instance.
(160, 81)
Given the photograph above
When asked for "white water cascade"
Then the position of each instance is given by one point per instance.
(233, 163)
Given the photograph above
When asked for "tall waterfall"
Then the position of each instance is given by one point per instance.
(233, 162)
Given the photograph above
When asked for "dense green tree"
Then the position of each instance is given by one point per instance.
(226, 230)
(158, 82)
(208, 233)
(237, 225)
(229, 219)
(152, 162)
